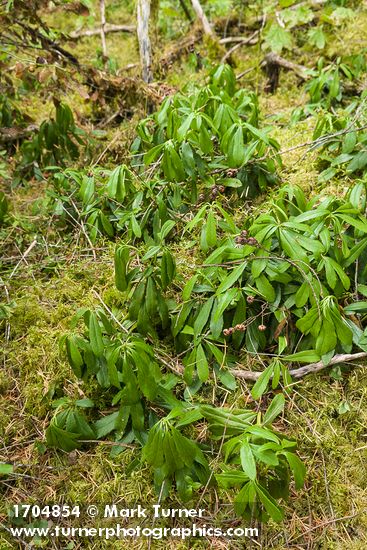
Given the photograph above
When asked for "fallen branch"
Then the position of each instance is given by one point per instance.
(315, 367)
(231, 39)
(307, 369)
(252, 39)
(15, 133)
(107, 28)
(274, 59)
(272, 64)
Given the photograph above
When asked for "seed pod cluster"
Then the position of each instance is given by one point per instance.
(240, 327)
(244, 239)
(216, 189)
(232, 172)
(214, 192)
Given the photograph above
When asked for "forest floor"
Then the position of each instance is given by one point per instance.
(60, 274)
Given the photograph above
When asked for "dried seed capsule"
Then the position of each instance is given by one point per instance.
(250, 299)
(262, 328)
(201, 197)
(226, 332)
(238, 327)
(244, 233)
(221, 188)
(231, 172)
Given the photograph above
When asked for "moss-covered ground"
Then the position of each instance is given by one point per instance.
(327, 415)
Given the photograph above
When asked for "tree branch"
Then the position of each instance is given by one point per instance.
(272, 64)
(107, 28)
(253, 39)
(307, 369)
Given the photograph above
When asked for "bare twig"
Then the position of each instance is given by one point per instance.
(232, 39)
(31, 246)
(21, 541)
(109, 145)
(319, 142)
(244, 73)
(111, 443)
(110, 312)
(82, 227)
(108, 27)
(323, 524)
(253, 39)
(307, 369)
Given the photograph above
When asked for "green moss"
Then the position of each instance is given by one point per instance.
(59, 277)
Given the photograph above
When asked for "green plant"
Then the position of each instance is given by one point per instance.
(56, 141)
(69, 424)
(125, 364)
(257, 460)
(200, 147)
(121, 362)
(288, 288)
(174, 456)
(343, 144)
(287, 293)
(4, 207)
(110, 202)
(332, 83)
(212, 130)
(289, 24)
(9, 113)
(147, 305)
